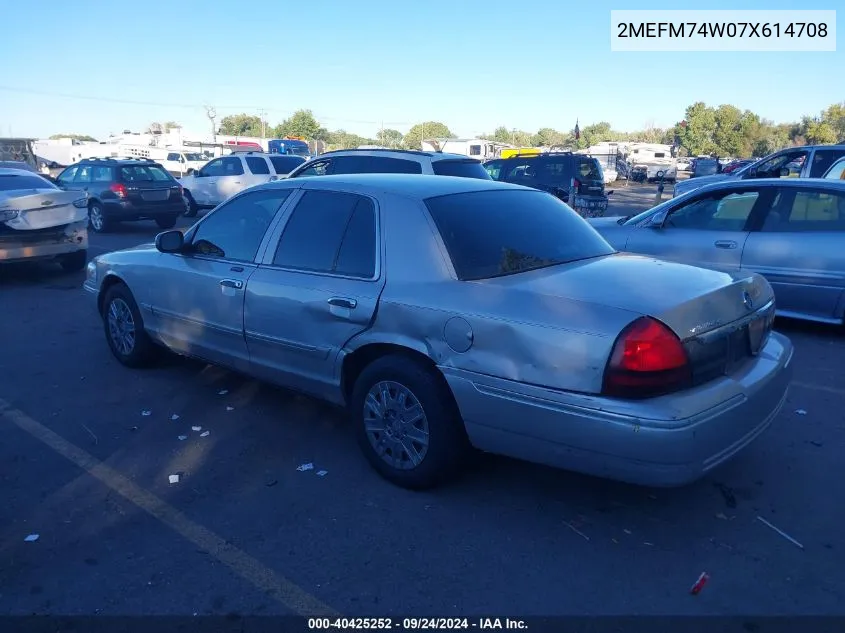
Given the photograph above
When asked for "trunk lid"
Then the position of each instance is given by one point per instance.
(41, 208)
(149, 186)
(691, 301)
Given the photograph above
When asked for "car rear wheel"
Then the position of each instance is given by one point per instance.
(73, 262)
(167, 221)
(407, 423)
(97, 220)
(124, 328)
(191, 208)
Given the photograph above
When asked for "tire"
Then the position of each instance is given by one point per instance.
(74, 262)
(118, 306)
(97, 221)
(190, 204)
(167, 221)
(448, 446)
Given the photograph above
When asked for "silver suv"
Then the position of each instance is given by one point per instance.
(391, 161)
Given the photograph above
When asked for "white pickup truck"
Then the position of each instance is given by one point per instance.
(182, 163)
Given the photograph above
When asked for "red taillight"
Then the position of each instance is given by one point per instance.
(647, 360)
(119, 190)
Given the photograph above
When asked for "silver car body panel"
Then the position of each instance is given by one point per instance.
(523, 354)
(806, 269)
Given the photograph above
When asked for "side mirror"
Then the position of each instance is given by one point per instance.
(170, 242)
(656, 221)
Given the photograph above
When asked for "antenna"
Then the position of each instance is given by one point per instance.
(211, 113)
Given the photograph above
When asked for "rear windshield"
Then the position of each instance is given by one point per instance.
(286, 164)
(706, 167)
(10, 182)
(461, 168)
(497, 233)
(590, 169)
(141, 173)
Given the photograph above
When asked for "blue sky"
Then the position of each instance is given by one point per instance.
(472, 64)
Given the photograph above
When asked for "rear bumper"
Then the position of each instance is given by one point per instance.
(668, 441)
(122, 210)
(43, 244)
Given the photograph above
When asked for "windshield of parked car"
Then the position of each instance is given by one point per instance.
(496, 233)
(194, 157)
(461, 168)
(13, 182)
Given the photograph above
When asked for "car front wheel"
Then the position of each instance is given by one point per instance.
(407, 423)
(191, 208)
(124, 328)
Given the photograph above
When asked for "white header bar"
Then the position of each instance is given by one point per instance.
(711, 30)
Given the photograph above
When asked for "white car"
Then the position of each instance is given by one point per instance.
(40, 221)
(181, 163)
(225, 176)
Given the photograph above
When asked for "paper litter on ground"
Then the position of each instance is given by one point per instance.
(182, 438)
(174, 417)
(146, 413)
(322, 473)
(222, 392)
(174, 479)
(230, 408)
(305, 467)
(31, 538)
(196, 428)
(205, 433)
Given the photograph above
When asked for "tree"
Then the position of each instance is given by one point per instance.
(301, 123)
(421, 131)
(820, 133)
(595, 133)
(834, 116)
(75, 137)
(171, 125)
(697, 135)
(389, 138)
(242, 125)
(548, 137)
(728, 134)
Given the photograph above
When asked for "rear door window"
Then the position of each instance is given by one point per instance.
(257, 165)
(374, 165)
(589, 169)
(286, 164)
(822, 161)
(460, 168)
(807, 211)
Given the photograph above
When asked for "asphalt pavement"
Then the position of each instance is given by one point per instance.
(88, 448)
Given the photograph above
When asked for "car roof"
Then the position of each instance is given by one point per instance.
(434, 156)
(793, 183)
(14, 171)
(117, 161)
(415, 186)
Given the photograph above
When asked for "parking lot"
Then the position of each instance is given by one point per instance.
(88, 447)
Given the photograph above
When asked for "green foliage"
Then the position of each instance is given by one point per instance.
(76, 137)
(301, 123)
(389, 138)
(241, 125)
(421, 131)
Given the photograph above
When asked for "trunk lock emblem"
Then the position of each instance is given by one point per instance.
(746, 300)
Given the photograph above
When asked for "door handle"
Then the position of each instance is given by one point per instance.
(342, 302)
(725, 244)
(237, 284)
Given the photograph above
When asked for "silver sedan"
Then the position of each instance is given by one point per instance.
(448, 313)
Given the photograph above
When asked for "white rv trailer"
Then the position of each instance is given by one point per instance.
(655, 157)
(479, 148)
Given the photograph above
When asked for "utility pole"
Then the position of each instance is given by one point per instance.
(261, 114)
(211, 113)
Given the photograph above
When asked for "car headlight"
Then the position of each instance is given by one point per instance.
(81, 203)
(8, 214)
(91, 271)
